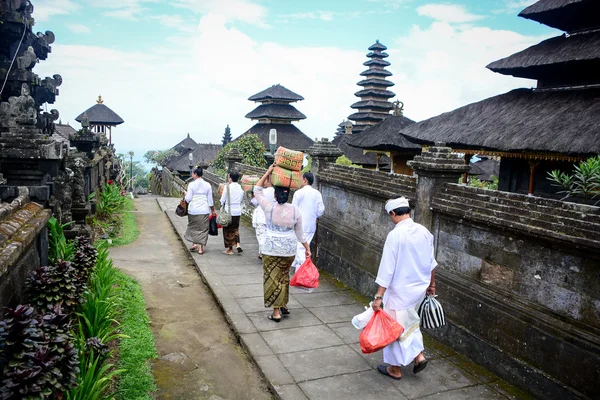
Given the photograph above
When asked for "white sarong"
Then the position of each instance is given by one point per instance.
(301, 251)
(408, 346)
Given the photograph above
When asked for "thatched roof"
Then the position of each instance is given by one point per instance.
(376, 71)
(356, 155)
(100, 114)
(566, 15)
(278, 111)
(368, 116)
(385, 105)
(484, 169)
(548, 58)
(377, 46)
(186, 144)
(276, 92)
(202, 154)
(380, 54)
(377, 63)
(375, 82)
(522, 120)
(288, 136)
(64, 130)
(375, 93)
(384, 136)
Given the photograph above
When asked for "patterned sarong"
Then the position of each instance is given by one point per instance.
(231, 233)
(276, 280)
(197, 229)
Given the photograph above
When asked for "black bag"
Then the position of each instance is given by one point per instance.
(182, 208)
(213, 230)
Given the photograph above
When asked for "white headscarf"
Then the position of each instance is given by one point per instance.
(392, 204)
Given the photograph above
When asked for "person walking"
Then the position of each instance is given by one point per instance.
(233, 201)
(284, 230)
(259, 221)
(406, 274)
(310, 203)
(200, 205)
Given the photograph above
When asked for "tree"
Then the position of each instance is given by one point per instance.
(140, 175)
(251, 148)
(343, 160)
(584, 181)
(227, 136)
(159, 157)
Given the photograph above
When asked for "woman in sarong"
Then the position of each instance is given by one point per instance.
(200, 205)
(233, 202)
(284, 230)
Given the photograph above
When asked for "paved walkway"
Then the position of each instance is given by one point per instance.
(314, 353)
(199, 355)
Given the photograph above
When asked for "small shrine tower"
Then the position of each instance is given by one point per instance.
(101, 118)
(374, 105)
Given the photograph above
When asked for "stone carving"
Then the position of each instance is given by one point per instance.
(48, 37)
(27, 60)
(46, 122)
(20, 110)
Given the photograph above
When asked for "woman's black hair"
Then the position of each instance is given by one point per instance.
(198, 171)
(282, 194)
(234, 175)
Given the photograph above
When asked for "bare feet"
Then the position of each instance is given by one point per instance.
(194, 247)
(201, 250)
(228, 252)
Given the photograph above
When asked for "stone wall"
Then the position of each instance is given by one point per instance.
(166, 183)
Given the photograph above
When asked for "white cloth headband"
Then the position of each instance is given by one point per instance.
(392, 204)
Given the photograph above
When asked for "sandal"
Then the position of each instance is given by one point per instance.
(240, 250)
(227, 252)
(419, 367)
(272, 318)
(383, 369)
(194, 248)
(284, 311)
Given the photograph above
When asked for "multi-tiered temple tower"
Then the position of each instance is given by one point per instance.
(374, 105)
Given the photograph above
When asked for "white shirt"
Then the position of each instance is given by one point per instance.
(236, 195)
(258, 217)
(199, 196)
(310, 203)
(406, 265)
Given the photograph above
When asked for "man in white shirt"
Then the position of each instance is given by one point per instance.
(406, 273)
(310, 203)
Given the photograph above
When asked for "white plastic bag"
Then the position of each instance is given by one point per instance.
(361, 320)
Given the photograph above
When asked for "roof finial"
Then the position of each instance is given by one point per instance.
(188, 135)
(376, 40)
(398, 108)
(99, 101)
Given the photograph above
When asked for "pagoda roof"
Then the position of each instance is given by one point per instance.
(288, 136)
(522, 120)
(566, 15)
(385, 135)
(375, 82)
(375, 93)
(186, 144)
(368, 116)
(202, 153)
(372, 104)
(378, 54)
(376, 71)
(101, 114)
(64, 130)
(377, 46)
(357, 155)
(276, 92)
(550, 57)
(376, 62)
(278, 111)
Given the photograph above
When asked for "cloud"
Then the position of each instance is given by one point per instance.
(451, 13)
(200, 83)
(394, 4)
(327, 15)
(78, 28)
(175, 21)
(124, 9)
(230, 10)
(45, 9)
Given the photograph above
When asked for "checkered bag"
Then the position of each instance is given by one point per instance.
(431, 313)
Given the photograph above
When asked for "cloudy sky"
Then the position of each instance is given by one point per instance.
(169, 67)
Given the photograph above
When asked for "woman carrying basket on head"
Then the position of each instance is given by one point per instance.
(284, 230)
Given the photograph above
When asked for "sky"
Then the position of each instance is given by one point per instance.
(173, 67)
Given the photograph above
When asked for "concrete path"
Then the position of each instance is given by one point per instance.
(314, 353)
(199, 356)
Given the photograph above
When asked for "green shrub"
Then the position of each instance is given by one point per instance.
(584, 181)
(343, 160)
(474, 182)
(58, 247)
(48, 286)
(250, 147)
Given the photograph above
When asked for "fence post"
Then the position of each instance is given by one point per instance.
(433, 168)
(322, 152)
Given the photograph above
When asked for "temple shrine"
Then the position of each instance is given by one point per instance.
(101, 118)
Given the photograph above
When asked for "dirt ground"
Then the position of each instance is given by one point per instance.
(199, 357)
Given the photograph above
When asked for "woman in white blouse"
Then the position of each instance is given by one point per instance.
(231, 233)
(200, 205)
(284, 231)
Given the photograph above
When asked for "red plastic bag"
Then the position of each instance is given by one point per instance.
(379, 332)
(306, 276)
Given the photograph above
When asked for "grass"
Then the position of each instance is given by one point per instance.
(129, 229)
(135, 351)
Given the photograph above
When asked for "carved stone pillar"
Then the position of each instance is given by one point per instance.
(434, 168)
(234, 156)
(322, 152)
